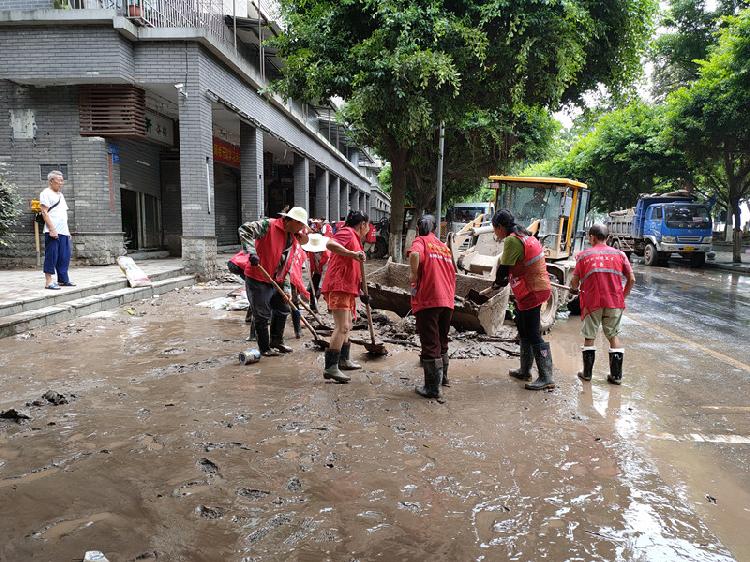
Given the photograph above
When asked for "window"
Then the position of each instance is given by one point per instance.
(657, 213)
(45, 169)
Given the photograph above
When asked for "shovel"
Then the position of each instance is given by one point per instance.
(479, 297)
(320, 325)
(319, 342)
(372, 347)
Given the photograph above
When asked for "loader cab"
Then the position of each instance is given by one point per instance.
(552, 208)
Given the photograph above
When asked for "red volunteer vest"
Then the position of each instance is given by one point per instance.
(295, 273)
(436, 285)
(269, 250)
(240, 259)
(529, 280)
(370, 238)
(343, 275)
(601, 270)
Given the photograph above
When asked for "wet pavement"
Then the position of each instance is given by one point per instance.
(168, 448)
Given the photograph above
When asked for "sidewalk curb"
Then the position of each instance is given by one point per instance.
(741, 268)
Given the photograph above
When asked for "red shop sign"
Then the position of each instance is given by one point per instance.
(226, 153)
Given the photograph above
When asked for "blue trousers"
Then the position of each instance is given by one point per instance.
(57, 256)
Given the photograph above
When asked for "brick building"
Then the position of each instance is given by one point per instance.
(158, 116)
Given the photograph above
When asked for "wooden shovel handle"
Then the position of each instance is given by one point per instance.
(287, 299)
(369, 312)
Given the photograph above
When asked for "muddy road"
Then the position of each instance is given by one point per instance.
(168, 449)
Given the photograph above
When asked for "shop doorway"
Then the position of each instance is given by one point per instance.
(141, 220)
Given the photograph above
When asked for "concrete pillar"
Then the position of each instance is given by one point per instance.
(362, 204)
(98, 216)
(353, 198)
(321, 194)
(197, 183)
(301, 182)
(251, 175)
(344, 199)
(368, 208)
(334, 189)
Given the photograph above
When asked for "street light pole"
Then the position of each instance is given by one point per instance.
(439, 182)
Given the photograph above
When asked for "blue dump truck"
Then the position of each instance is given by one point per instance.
(661, 225)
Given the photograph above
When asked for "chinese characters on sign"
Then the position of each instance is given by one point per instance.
(226, 153)
(159, 128)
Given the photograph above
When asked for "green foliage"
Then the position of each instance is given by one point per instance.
(691, 32)
(385, 178)
(10, 208)
(624, 155)
(487, 68)
(710, 120)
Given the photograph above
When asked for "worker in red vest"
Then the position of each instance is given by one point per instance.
(523, 266)
(272, 244)
(318, 257)
(341, 287)
(599, 272)
(432, 275)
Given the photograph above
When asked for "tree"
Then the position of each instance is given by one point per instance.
(403, 66)
(625, 154)
(10, 208)
(710, 120)
(691, 31)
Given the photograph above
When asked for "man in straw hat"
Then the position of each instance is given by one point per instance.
(272, 244)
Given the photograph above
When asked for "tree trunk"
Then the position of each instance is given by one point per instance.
(728, 237)
(737, 245)
(398, 158)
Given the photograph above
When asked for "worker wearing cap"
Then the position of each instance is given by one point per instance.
(318, 257)
(599, 272)
(341, 287)
(523, 266)
(432, 275)
(272, 245)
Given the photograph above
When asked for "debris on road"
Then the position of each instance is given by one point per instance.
(14, 415)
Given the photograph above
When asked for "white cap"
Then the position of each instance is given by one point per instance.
(297, 214)
(316, 243)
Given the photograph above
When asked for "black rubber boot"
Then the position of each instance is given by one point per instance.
(446, 361)
(615, 366)
(264, 341)
(345, 363)
(433, 375)
(332, 367)
(278, 322)
(253, 336)
(527, 361)
(589, 356)
(543, 357)
(249, 315)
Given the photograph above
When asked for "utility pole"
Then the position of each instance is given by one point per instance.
(439, 182)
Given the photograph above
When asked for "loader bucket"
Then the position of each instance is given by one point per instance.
(389, 290)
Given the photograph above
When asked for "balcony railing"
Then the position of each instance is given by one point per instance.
(207, 15)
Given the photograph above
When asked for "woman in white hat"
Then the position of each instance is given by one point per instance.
(318, 256)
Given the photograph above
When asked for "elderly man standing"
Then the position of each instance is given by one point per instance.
(271, 244)
(57, 246)
(599, 271)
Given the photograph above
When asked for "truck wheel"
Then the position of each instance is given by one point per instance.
(548, 312)
(650, 255)
(698, 259)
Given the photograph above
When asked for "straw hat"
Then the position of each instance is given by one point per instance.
(297, 214)
(316, 243)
